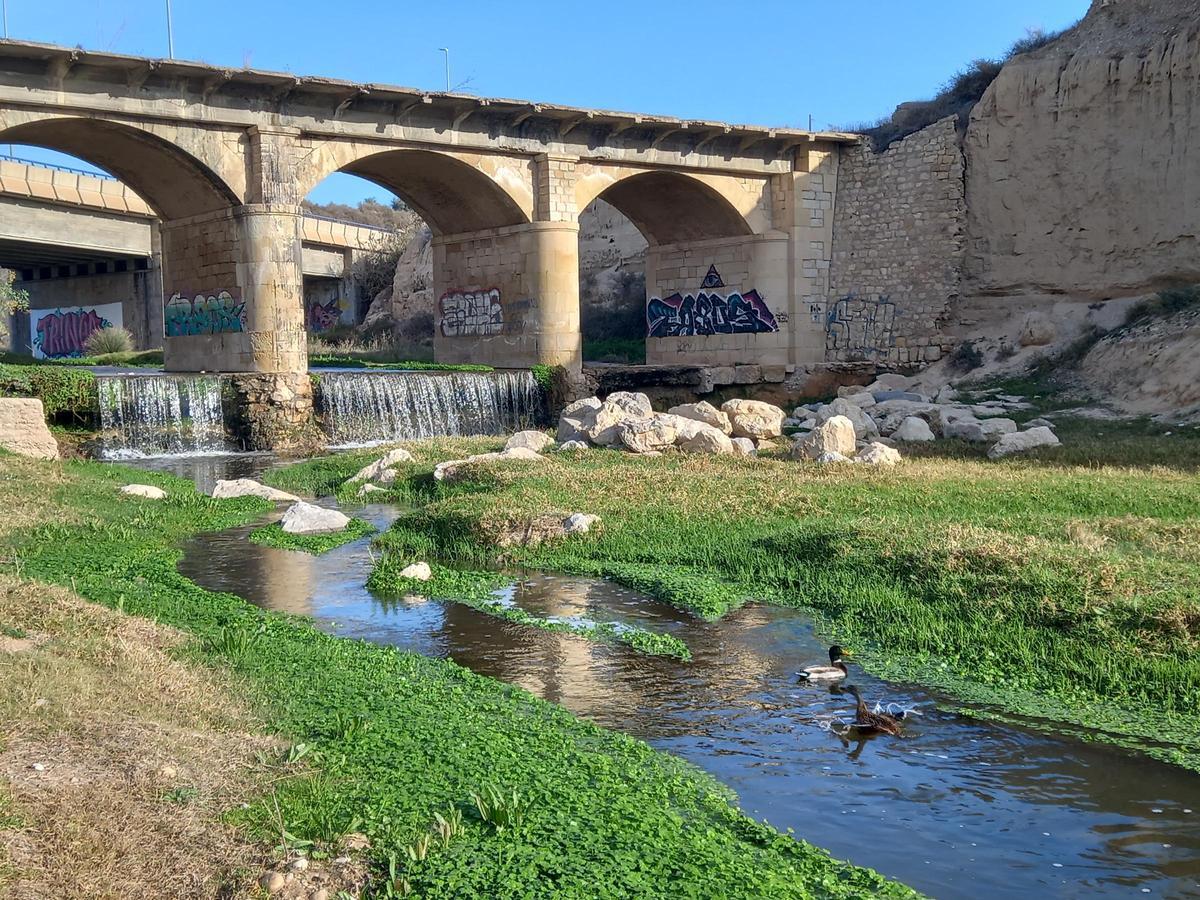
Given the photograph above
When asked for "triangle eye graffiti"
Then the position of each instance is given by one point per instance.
(712, 279)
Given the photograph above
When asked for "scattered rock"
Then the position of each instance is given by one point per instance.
(754, 419)
(273, 882)
(308, 518)
(572, 446)
(832, 456)
(1023, 441)
(1039, 423)
(1037, 331)
(616, 410)
(388, 461)
(451, 468)
(836, 435)
(579, 523)
(913, 430)
(945, 394)
(979, 430)
(864, 425)
(248, 487)
(703, 412)
(418, 571)
(647, 435)
(884, 396)
(711, 441)
(863, 399)
(299, 864)
(388, 477)
(877, 454)
(537, 441)
(368, 489)
(685, 429)
(23, 428)
(149, 491)
(576, 419)
(743, 447)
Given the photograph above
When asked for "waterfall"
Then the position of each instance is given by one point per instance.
(370, 407)
(157, 415)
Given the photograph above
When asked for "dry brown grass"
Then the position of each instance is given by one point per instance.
(16, 473)
(117, 760)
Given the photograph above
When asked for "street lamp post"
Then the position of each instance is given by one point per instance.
(446, 50)
(170, 34)
(5, 4)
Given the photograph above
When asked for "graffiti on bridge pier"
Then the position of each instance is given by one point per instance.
(861, 326)
(471, 313)
(216, 313)
(709, 313)
(323, 316)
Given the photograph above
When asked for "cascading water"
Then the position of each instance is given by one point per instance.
(370, 407)
(157, 415)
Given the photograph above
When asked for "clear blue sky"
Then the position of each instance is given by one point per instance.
(764, 63)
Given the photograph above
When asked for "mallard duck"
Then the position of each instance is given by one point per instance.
(869, 722)
(835, 671)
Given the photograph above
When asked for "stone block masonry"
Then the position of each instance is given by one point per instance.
(23, 429)
(898, 243)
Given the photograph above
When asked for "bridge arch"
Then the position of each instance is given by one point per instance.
(670, 207)
(454, 194)
(174, 182)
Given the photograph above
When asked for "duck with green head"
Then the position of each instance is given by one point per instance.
(835, 671)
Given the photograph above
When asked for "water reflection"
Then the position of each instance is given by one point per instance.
(956, 807)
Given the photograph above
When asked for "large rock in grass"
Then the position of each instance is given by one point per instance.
(577, 419)
(452, 469)
(248, 487)
(834, 436)
(23, 428)
(703, 412)
(650, 435)
(743, 447)
(537, 441)
(877, 454)
(913, 430)
(387, 462)
(617, 409)
(978, 430)
(754, 419)
(148, 491)
(308, 518)
(418, 571)
(711, 441)
(1023, 442)
(864, 426)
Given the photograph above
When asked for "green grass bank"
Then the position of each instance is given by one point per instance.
(533, 801)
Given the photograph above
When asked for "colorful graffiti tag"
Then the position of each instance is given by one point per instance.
(708, 313)
(61, 333)
(862, 327)
(323, 316)
(471, 313)
(215, 314)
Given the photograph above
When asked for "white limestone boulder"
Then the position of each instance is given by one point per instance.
(835, 435)
(537, 441)
(576, 419)
(979, 431)
(579, 523)
(913, 430)
(308, 518)
(743, 447)
(148, 491)
(248, 487)
(754, 419)
(649, 435)
(1022, 442)
(877, 454)
(864, 425)
(711, 441)
(418, 571)
(617, 409)
(703, 412)
(452, 469)
(367, 490)
(389, 460)
(572, 446)
(23, 428)
(832, 456)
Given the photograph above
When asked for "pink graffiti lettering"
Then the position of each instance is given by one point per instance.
(64, 333)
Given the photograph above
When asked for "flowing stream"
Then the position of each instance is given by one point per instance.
(958, 808)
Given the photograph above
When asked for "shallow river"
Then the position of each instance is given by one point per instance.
(956, 808)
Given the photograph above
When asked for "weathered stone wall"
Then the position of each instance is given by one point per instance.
(273, 411)
(898, 239)
(735, 285)
(23, 429)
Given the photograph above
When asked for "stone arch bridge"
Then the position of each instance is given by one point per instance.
(738, 218)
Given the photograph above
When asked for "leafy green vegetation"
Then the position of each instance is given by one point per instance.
(65, 392)
(151, 359)
(273, 535)
(394, 738)
(1062, 587)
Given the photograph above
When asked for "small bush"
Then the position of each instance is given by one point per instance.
(1164, 303)
(111, 339)
(967, 357)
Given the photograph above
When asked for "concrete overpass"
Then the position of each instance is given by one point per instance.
(738, 218)
(78, 239)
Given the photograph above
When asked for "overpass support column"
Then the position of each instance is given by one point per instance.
(803, 205)
(509, 297)
(234, 287)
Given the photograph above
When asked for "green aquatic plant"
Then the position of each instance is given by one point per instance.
(500, 809)
(273, 535)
